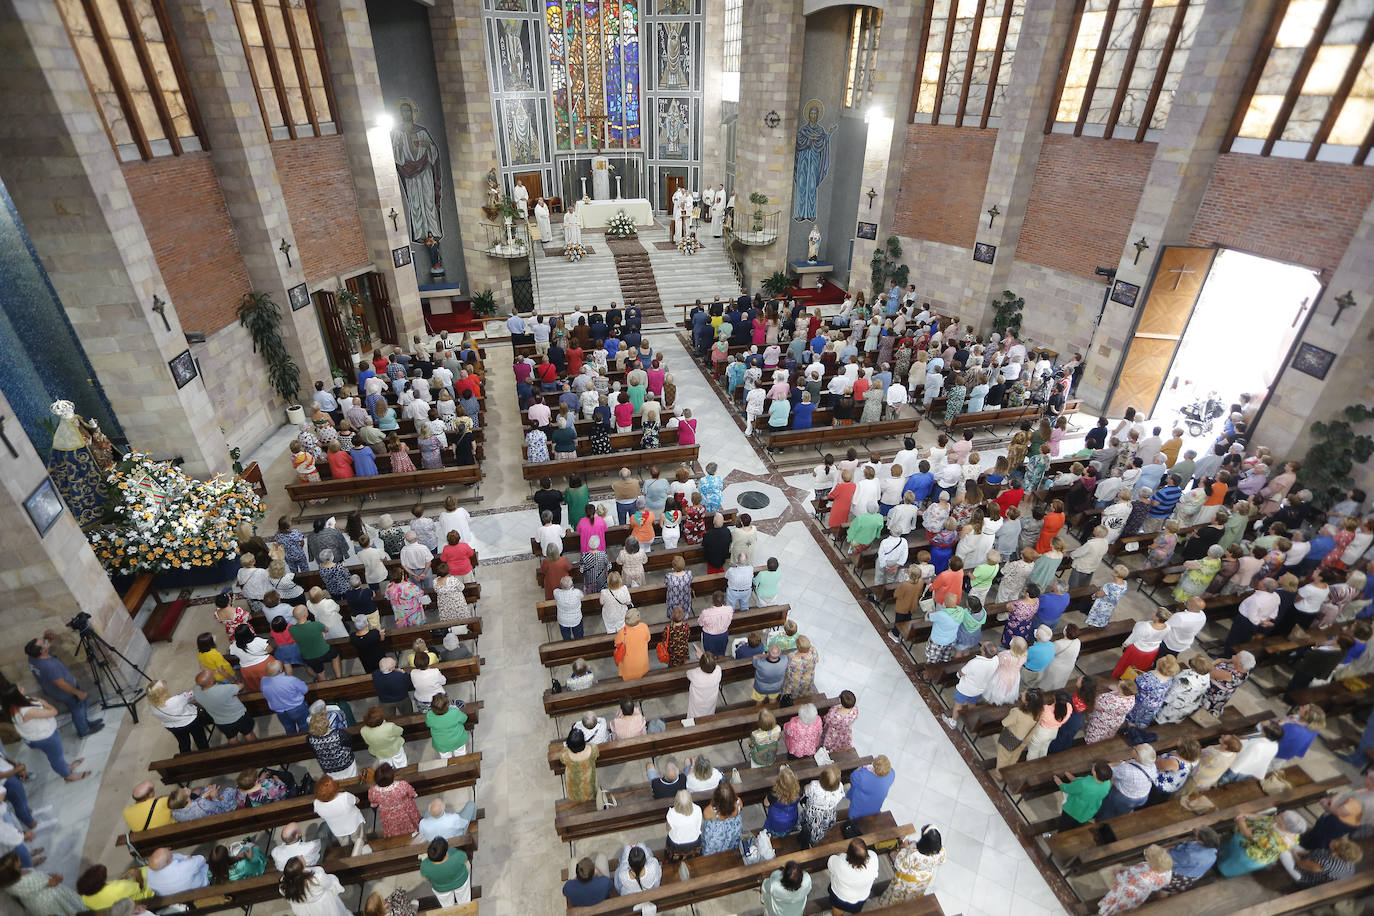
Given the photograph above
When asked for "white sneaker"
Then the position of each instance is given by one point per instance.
(949, 723)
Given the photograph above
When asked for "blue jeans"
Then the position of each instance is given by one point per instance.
(294, 720)
(52, 747)
(1366, 742)
(739, 600)
(571, 632)
(22, 852)
(1067, 732)
(1116, 803)
(17, 796)
(78, 710)
(623, 510)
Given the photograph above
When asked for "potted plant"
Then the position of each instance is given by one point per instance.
(777, 284)
(1336, 449)
(1006, 317)
(484, 303)
(354, 329)
(262, 317)
(886, 266)
(759, 201)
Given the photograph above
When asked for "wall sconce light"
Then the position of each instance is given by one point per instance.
(871, 193)
(1140, 246)
(993, 213)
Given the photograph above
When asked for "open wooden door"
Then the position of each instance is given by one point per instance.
(670, 185)
(534, 184)
(1154, 341)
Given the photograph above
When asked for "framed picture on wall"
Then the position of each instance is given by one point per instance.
(984, 253)
(44, 505)
(867, 231)
(1313, 360)
(1125, 293)
(299, 295)
(183, 368)
(400, 257)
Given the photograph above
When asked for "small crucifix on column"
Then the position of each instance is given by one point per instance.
(1179, 272)
(160, 307)
(285, 248)
(993, 212)
(1344, 301)
(393, 216)
(14, 453)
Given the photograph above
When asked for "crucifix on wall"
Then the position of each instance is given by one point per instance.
(1179, 272)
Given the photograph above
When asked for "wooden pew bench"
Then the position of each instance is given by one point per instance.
(642, 596)
(620, 442)
(659, 682)
(861, 432)
(277, 751)
(361, 687)
(553, 654)
(660, 559)
(358, 487)
(587, 465)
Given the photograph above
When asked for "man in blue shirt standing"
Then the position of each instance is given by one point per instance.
(59, 684)
(285, 696)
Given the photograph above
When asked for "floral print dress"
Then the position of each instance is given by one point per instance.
(293, 543)
(1133, 887)
(710, 487)
(838, 734)
(1196, 579)
(954, 401)
(400, 462)
(1020, 621)
(396, 809)
(1161, 550)
(1105, 606)
(648, 434)
(1184, 696)
(678, 636)
(1219, 693)
(536, 446)
(452, 603)
(720, 834)
(818, 811)
(429, 453)
(1108, 713)
(1036, 465)
(679, 590)
(405, 603)
(912, 872)
(1148, 700)
(694, 524)
(800, 678)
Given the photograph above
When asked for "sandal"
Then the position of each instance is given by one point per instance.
(77, 777)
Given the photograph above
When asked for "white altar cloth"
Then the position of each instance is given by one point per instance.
(596, 214)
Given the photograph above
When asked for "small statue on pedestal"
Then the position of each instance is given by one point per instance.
(436, 263)
(813, 245)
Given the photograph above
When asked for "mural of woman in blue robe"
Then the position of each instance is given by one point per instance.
(813, 161)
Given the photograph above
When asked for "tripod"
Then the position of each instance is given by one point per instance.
(113, 691)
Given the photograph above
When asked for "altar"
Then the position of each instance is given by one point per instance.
(596, 214)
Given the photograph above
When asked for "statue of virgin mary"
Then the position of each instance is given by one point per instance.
(75, 468)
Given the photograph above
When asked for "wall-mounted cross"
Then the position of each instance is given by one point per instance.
(285, 248)
(160, 307)
(14, 453)
(1180, 271)
(1344, 301)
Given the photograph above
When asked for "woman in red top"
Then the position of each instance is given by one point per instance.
(459, 556)
(574, 357)
(624, 414)
(1054, 520)
(340, 462)
(379, 363)
(840, 500)
(687, 428)
(760, 332)
(656, 375)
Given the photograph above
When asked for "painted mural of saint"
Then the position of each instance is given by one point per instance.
(812, 162)
(524, 143)
(673, 62)
(421, 173)
(516, 67)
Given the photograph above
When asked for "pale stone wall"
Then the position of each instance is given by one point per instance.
(1060, 307)
(246, 408)
(941, 274)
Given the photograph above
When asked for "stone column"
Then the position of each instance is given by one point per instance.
(45, 581)
(358, 95)
(1020, 137)
(217, 67)
(58, 164)
(770, 79)
(887, 102)
(461, 62)
(1209, 90)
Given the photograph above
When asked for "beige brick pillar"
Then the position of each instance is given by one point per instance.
(461, 63)
(358, 95)
(1208, 92)
(46, 581)
(217, 67)
(1020, 137)
(888, 102)
(774, 33)
(57, 162)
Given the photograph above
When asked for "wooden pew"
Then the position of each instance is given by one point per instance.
(586, 465)
(1247, 896)
(360, 686)
(277, 751)
(402, 638)
(659, 682)
(637, 808)
(722, 874)
(304, 493)
(615, 536)
(862, 432)
(692, 555)
(731, 723)
(602, 645)
(460, 773)
(622, 441)
(642, 596)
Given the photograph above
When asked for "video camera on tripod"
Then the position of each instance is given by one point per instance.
(106, 675)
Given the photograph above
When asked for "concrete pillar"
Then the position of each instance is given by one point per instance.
(1020, 137)
(358, 96)
(1208, 92)
(774, 36)
(888, 102)
(461, 63)
(58, 164)
(45, 581)
(212, 51)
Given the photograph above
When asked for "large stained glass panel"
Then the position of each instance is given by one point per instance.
(594, 72)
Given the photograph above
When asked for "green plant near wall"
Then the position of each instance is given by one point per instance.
(1336, 449)
(759, 201)
(262, 317)
(1006, 317)
(887, 268)
(484, 303)
(777, 284)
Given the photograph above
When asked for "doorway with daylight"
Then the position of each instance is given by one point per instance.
(1225, 331)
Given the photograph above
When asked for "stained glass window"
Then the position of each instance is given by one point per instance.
(1124, 64)
(1313, 82)
(594, 72)
(734, 40)
(968, 49)
(287, 64)
(863, 54)
(131, 65)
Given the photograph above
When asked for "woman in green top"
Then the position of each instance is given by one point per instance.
(248, 861)
(1083, 795)
(763, 741)
(447, 727)
(577, 495)
(785, 891)
(385, 740)
(446, 870)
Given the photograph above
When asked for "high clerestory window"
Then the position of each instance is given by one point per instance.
(1310, 93)
(863, 54)
(734, 39)
(130, 60)
(1123, 67)
(968, 48)
(286, 57)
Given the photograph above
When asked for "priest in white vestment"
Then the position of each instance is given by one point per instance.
(675, 230)
(541, 216)
(522, 201)
(572, 227)
(717, 211)
(681, 211)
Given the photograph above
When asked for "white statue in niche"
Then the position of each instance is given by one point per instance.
(813, 245)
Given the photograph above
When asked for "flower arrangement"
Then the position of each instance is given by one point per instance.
(163, 519)
(574, 252)
(621, 226)
(689, 245)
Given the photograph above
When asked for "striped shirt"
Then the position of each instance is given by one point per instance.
(1166, 498)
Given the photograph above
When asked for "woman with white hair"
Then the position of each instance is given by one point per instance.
(1258, 841)
(684, 828)
(331, 744)
(649, 425)
(1227, 676)
(802, 733)
(179, 714)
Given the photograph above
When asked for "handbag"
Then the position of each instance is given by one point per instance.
(662, 648)
(621, 649)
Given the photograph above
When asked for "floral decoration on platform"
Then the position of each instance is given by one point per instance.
(575, 251)
(689, 245)
(621, 226)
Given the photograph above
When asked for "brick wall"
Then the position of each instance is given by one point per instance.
(183, 214)
(944, 175)
(318, 188)
(1287, 209)
(1083, 201)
